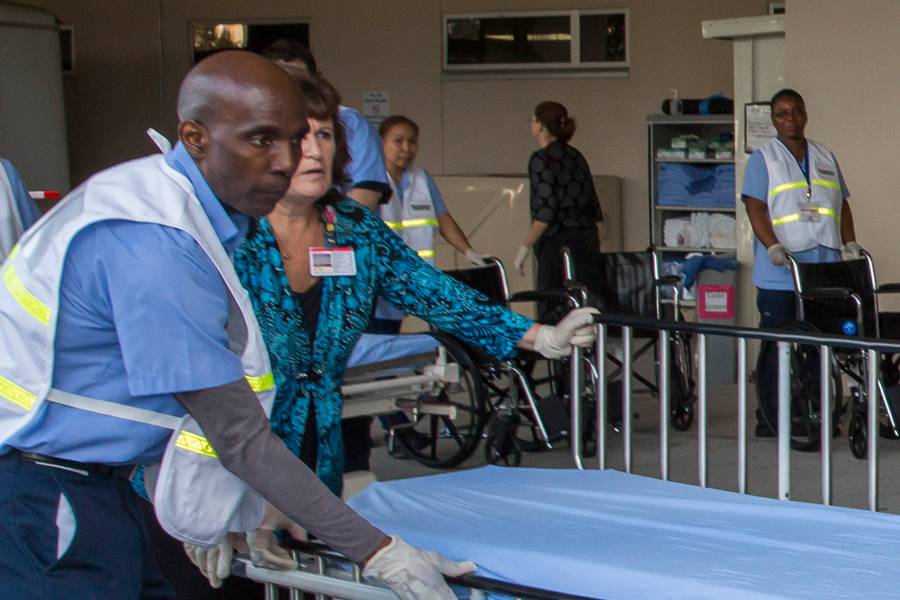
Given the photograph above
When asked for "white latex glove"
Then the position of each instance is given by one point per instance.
(852, 251)
(263, 544)
(215, 562)
(777, 254)
(521, 256)
(476, 258)
(415, 574)
(575, 329)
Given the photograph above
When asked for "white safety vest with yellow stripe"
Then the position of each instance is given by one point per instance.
(804, 214)
(412, 215)
(145, 190)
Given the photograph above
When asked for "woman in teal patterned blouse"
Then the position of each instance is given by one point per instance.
(311, 324)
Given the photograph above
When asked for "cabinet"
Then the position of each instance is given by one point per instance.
(692, 200)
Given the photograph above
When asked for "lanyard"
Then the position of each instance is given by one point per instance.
(803, 164)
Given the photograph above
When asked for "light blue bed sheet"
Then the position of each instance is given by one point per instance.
(606, 534)
(374, 347)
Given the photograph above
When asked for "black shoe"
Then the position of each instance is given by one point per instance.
(764, 431)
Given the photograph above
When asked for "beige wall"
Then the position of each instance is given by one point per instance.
(131, 56)
(845, 59)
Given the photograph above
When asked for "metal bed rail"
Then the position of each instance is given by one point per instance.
(825, 343)
(331, 576)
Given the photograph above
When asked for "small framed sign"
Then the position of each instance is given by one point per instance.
(758, 128)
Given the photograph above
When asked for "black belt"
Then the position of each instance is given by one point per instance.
(93, 469)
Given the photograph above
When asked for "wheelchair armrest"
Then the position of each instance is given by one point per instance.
(829, 292)
(536, 295)
(667, 281)
(888, 288)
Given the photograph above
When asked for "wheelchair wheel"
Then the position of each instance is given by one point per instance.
(681, 382)
(450, 441)
(806, 418)
(856, 431)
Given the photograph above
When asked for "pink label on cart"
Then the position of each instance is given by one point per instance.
(715, 301)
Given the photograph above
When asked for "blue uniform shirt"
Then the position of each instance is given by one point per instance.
(366, 167)
(142, 315)
(28, 210)
(436, 198)
(766, 275)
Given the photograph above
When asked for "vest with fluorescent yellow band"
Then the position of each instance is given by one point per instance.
(804, 214)
(145, 191)
(410, 215)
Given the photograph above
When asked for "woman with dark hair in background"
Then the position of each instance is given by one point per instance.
(565, 210)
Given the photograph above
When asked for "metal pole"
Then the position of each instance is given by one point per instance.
(626, 395)
(575, 389)
(600, 393)
(742, 414)
(701, 409)
(784, 421)
(664, 403)
(826, 408)
(872, 429)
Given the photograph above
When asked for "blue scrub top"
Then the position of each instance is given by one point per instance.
(436, 198)
(28, 210)
(366, 167)
(766, 275)
(142, 315)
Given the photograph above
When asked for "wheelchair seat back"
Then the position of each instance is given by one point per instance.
(829, 314)
(489, 280)
(628, 287)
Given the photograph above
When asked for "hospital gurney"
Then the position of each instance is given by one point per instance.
(611, 535)
(431, 378)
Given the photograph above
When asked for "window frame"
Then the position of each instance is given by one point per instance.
(574, 64)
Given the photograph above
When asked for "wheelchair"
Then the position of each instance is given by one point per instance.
(634, 286)
(839, 298)
(461, 395)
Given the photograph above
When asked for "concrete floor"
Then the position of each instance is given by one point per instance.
(849, 474)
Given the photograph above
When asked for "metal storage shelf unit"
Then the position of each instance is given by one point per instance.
(661, 129)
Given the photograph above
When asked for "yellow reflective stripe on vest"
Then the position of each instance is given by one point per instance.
(822, 210)
(785, 187)
(16, 394)
(827, 183)
(195, 443)
(261, 383)
(33, 306)
(410, 223)
(426, 253)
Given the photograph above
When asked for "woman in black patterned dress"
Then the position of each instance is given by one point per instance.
(565, 210)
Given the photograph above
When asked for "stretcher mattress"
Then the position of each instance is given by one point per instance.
(610, 535)
(373, 348)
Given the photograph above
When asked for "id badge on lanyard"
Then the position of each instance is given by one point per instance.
(331, 261)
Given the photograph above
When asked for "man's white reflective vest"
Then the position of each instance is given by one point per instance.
(11, 227)
(196, 499)
(412, 217)
(804, 214)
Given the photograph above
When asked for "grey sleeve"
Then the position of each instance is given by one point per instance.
(236, 426)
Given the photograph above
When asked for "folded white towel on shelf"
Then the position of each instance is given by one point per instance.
(677, 232)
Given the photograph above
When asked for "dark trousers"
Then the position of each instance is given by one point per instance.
(776, 307)
(585, 247)
(107, 557)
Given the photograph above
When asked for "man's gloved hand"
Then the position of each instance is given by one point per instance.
(263, 544)
(476, 258)
(215, 562)
(415, 574)
(521, 256)
(852, 251)
(777, 254)
(575, 329)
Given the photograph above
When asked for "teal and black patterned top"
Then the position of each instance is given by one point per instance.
(385, 267)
